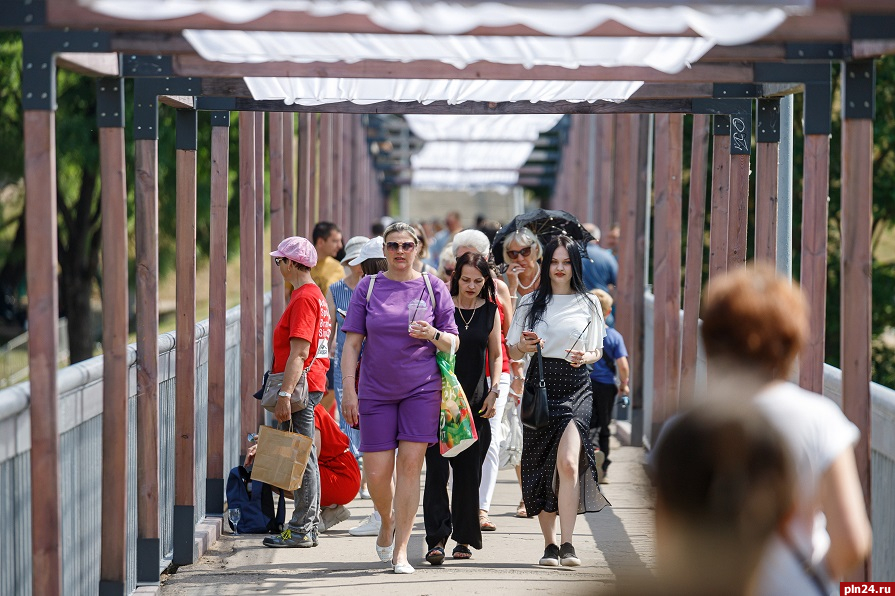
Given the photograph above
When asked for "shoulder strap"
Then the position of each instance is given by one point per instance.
(370, 287)
(429, 287)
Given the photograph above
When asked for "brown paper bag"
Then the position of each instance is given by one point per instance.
(281, 458)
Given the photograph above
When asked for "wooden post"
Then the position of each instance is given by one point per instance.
(247, 295)
(146, 267)
(695, 246)
(289, 174)
(338, 155)
(41, 246)
(325, 177)
(858, 83)
(767, 127)
(307, 168)
(720, 196)
(217, 311)
(605, 157)
(185, 362)
(113, 562)
(631, 184)
(261, 258)
(348, 165)
(277, 227)
(738, 222)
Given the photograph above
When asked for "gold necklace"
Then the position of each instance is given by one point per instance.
(460, 310)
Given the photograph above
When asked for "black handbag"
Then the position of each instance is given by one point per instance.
(535, 410)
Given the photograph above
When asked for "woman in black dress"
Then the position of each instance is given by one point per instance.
(472, 290)
(558, 469)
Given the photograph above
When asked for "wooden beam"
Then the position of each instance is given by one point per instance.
(325, 209)
(720, 200)
(182, 102)
(289, 174)
(217, 313)
(346, 198)
(146, 268)
(738, 214)
(41, 246)
(89, 64)
(816, 187)
(185, 348)
(261, 257)
(191, 65)
(306, 166)
(338, 155)
(766, 157)
(277, 225)
(695, 247)
(113, 561)
(247, 300)
(605, 170)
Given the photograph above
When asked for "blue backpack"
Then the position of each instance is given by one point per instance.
(255, 502)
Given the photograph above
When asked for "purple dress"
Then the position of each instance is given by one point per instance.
(399, 390)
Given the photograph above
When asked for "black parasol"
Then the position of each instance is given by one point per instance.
(545, 223)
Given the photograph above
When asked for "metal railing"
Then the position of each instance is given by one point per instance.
(80, 429)
(882, 444)
(14, 356)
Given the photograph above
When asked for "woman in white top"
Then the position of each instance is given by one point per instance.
(754, 325)
(568, 323)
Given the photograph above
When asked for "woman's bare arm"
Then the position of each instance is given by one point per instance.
(842, 502)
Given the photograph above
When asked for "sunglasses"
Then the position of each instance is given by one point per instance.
(448, 271)
(514, 254)
(405, 246)
(278, 260)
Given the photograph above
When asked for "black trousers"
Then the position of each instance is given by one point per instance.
(459, 516)
(604, 399)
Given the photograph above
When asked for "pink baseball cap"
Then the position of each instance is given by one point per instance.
(298, 249)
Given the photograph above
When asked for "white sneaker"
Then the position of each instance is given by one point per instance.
(369, 527)
(364, 493)
(330, 516)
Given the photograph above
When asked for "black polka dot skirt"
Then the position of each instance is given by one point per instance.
(570, 399)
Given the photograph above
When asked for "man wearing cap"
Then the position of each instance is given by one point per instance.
(301, 343)
(327, 242)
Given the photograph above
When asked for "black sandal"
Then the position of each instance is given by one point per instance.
(435, 556)
(461, 552)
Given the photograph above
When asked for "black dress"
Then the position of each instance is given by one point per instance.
(459, 517)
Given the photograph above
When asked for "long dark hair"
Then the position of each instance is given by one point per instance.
(480, 263)
(544, 294)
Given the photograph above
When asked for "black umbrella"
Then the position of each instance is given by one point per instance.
(545, 223)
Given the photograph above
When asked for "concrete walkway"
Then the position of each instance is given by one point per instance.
(616, 541)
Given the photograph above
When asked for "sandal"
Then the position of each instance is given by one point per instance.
(461, 552)
(486, 524)
(435, 556)
(520, 510)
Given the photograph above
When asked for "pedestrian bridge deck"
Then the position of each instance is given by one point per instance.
(615, 542)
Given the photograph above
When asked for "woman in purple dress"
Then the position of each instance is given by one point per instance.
(405, 317)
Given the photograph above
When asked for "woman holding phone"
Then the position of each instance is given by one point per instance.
(567, 323)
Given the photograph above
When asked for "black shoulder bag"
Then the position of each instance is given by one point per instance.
(535, 411)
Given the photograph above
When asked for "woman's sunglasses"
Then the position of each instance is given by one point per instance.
(514, 254)
(405, 246)
(448, 272)
(278, 260)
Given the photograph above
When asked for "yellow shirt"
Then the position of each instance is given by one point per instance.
(327, 272)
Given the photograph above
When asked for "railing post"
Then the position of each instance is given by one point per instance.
(767, 125)
(720, 196)
(261, 258)
(325, 175)
(289, 174)
(277, 227)
(738, 213)
(110, 119)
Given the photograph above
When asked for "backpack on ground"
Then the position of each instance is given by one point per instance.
(255, 502)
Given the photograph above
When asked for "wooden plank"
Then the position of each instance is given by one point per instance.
(338, 156)
(303, 178)
(261, 258)
(672, 301)
(89, 64)
(277, 226)
(605, 156)
(661, 216)
(113, 561)
(720, 205)
(217, 299)
(146, 267)
(347, 199)
(738, 214)
(856, 292)
(695, 247)
(289, 154)
(247, 295)
(41, 260)
(314, 172)
(185, 347)
(766, 157)
(185, 102)
(191, 65)
(325, 189)
(816, 187)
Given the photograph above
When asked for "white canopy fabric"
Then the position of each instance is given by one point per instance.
(525, 127)
(317, 91)
(725, 23)
(463, 180)
(438, 155)
(666, 54)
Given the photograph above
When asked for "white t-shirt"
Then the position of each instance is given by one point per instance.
(816, 432)
(566, 317)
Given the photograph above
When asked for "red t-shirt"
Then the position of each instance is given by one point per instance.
(306, 317)
(333, 442)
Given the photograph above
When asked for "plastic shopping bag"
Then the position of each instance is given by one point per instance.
(456, 429)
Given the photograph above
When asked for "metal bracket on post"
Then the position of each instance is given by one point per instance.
(146, 92)
(19, 14)
(823, 52)
(216, 104)
(39, 49)
(872, 26)
(720, 124)
(110, 102)
(768, 120)
(736, 90)
(138, 65)
(859, 90)
(739, 123)
(186, 130)
(220, 118)
(818, 90)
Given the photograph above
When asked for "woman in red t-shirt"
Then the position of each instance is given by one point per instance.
(339, 472)
(301, 343)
